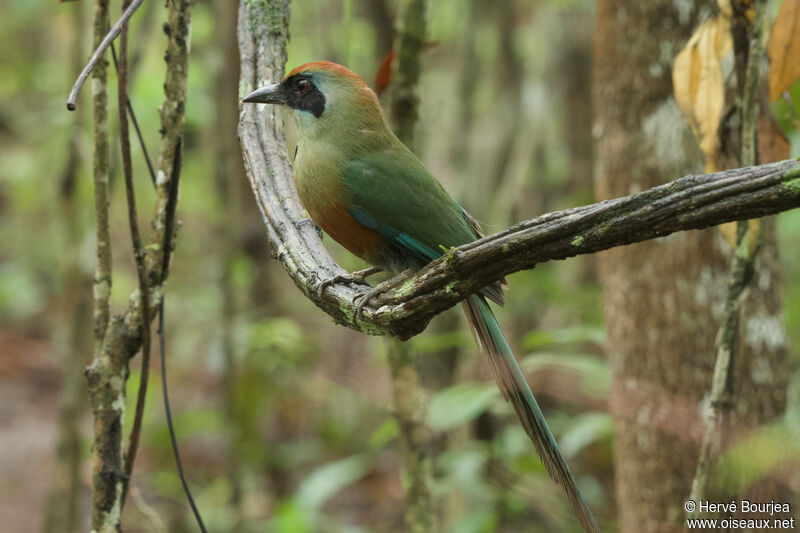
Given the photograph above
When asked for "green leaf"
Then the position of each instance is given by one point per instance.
(384, 434)
(290, 517)
(577, 334)
(478, 521)
(459, 404)
(327, 480)
(463, 468)
(765, 450)
(592, 374)
(584, 430)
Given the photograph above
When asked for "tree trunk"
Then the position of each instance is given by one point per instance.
(664, 298)
(63, 506)
(228, 180)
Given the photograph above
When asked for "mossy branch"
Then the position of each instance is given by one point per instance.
(404, 310)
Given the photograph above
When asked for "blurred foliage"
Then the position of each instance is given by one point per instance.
(460, 404)
(301, 439)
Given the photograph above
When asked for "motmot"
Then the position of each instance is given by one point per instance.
(364, 188)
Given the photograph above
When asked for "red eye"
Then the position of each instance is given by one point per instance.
(303, 86)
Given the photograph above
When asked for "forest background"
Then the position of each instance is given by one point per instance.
(285, 419)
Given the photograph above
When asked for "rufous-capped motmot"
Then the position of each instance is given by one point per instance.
(372, 195)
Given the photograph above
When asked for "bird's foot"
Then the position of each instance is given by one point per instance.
(363, 299)
(354, 277)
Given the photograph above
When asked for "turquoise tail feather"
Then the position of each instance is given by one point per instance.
(516, 391)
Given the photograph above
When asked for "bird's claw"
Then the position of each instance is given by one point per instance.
(358, 313)
(380, 288)
(353, 277)
(364, 299)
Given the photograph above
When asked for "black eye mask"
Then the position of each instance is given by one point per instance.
(312, 100)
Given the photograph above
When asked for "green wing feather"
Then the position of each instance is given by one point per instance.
(392, 192)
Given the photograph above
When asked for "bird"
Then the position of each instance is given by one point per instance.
(364, 188)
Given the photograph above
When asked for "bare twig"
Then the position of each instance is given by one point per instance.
(741, 273)
(100, 49)
(169, 159)
(138, 251)
(141, 141)
(170, 426)
(136, 128)
(106, 394)
(100, 171)
(749, 101)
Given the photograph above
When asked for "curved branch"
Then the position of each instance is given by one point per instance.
(691, 202)
(99, 51)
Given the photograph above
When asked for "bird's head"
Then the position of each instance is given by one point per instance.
(322, 94)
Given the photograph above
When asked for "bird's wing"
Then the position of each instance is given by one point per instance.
(392, 193)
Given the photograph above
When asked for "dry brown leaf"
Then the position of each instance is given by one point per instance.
(784, 49)
(699, 85)
(710, 96)
(685, 75)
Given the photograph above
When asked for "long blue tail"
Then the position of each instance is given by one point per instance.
(517, 392)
